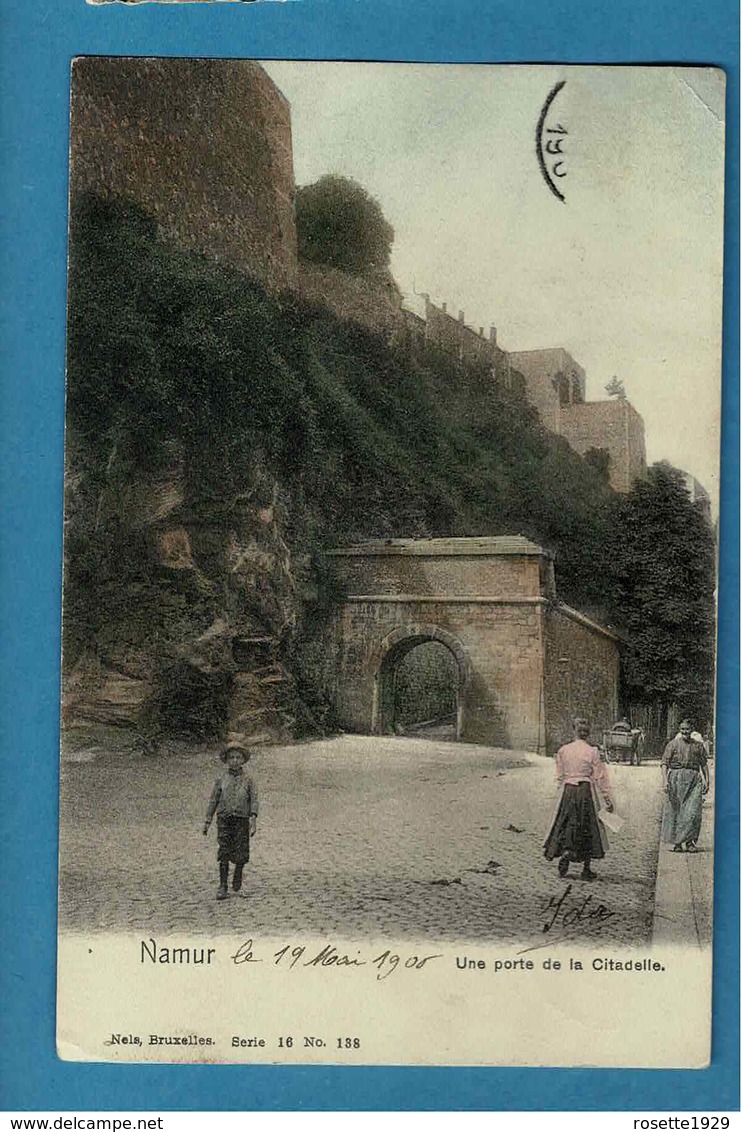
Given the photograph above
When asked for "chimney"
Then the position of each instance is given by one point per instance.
(445, 308)
(493, 334)
(461, 317)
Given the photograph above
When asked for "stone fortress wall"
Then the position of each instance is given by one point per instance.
(205, 146)
(432, 324)
(613, 426)
(553, 382)
(552, 378)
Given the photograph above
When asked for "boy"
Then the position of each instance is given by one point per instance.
(234, 801)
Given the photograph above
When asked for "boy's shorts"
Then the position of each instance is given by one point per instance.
(233, 832)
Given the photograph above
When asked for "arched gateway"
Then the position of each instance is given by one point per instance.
(524, 663)
(393, 650)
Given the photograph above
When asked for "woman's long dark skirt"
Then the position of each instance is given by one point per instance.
(575, 829)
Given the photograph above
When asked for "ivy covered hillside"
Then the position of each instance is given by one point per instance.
(220, 439)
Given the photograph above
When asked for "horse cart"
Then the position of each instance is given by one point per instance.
(623, 746)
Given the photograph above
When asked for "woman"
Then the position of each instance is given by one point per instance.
(685, 778)
(576, 834)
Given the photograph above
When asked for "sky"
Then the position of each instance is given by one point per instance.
(625, 274)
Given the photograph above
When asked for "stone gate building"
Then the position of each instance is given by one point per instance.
(526, 664)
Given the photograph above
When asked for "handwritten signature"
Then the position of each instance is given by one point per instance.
(563, 912)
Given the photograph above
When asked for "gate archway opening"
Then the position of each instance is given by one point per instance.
(420, 677)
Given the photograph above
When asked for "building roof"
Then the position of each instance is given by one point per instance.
(588, 622)
(515, 545)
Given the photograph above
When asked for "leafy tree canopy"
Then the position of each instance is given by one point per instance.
(341, 225)
(662, 555)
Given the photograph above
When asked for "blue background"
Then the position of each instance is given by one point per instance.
(39, 37)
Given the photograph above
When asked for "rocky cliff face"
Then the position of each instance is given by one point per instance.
(193, 616)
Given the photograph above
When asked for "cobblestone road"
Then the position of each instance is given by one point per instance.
(358, 837)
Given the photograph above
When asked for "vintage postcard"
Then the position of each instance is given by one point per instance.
(393, 405)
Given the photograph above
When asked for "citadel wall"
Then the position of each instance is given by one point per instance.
(613, 426)
(552, 378)
(581, 675)
(463, 342)
(203, 145)
(454, 337)
(374, 304)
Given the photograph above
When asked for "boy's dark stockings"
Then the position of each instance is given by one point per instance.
(223, 880)
(237, 878)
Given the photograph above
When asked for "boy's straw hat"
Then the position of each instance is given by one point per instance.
(235, 744)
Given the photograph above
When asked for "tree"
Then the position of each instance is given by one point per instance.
(662, 555)
(341, 225)
(615, 388)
